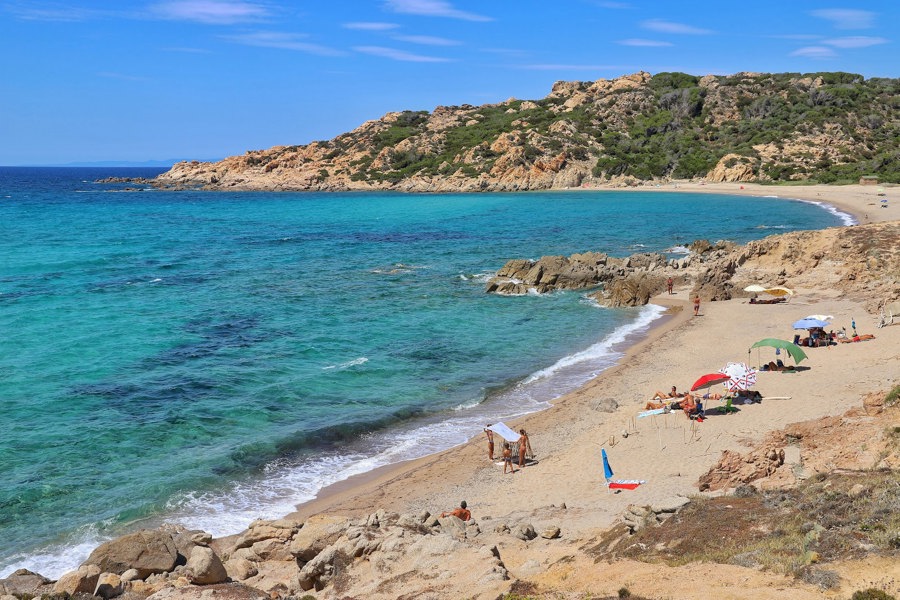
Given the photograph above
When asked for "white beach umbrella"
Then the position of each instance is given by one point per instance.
(742, 376)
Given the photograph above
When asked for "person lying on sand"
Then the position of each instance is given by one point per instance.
(662, 395)
(858, 338)
(778, 366)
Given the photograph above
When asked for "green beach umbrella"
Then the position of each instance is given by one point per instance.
(791, 348)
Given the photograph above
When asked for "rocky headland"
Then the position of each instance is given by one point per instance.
(759, 127)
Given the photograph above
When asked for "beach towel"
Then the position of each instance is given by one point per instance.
(655, 411)
(624, 484)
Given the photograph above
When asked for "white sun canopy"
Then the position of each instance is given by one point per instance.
(505, 432)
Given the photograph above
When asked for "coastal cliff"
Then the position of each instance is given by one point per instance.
(825, 127)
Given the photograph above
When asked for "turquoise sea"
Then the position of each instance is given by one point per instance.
(210, 358)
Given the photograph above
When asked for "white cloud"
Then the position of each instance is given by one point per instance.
(573, 67)
(371, 26)
(433, 8)
(395, 54)
(426, 40)
(671, 27)
(857, 41)
(212, 12)
(814, 52)
(847, 18)
(59, 14)
(283, 41)
(643, 43)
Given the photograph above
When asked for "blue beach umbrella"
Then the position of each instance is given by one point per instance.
(607, 470)
(810, 324)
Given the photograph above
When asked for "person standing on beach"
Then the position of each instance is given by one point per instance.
(696, 305)
(669, 285)
(524, 447)
(507, 459)
(490, 437)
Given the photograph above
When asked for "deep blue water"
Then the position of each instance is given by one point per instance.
(210, 358)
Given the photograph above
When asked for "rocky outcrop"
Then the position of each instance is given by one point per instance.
(733, 167)
(147, 551)
(288, 558)
(734, 468)
(636, 517)
(862, 261)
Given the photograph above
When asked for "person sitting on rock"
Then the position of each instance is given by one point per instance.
(461, 513)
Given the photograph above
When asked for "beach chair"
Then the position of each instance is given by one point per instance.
(729, 407)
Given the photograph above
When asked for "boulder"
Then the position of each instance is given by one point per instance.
(239, 569)
(23, 582)
(82, 580)
(109, 585)
(550, 533)
(147, 551)
(607, 405)
(231, 591)
(206, 567)
(524, 532)
(318, 533)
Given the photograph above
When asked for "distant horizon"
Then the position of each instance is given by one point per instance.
(94, 84)
(112, 164)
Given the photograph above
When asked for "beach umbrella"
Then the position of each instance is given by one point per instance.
(709, 379)
(791, 348)
(616, 484)
(821, 317)
(810, 324)
(741, 376)
(755, 288)
(779, 291)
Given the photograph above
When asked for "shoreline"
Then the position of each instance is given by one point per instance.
(342, 491)
(350, 494)
(860, 201)
(430, 482)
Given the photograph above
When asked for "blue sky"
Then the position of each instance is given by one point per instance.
(162, 79)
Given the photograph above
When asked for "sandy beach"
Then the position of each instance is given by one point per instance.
(676, 351)
(669, 451)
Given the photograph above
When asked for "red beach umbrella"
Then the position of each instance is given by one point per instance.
(709, 380)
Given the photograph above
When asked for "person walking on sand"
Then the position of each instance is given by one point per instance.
(669, 285)
(490, 437)
(696, 305)
(507, 459)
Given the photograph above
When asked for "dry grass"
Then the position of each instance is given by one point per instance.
(795, 532)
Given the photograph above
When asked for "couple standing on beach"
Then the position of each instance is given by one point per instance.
(523, 442)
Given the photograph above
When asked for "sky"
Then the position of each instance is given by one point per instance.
(91, 81)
